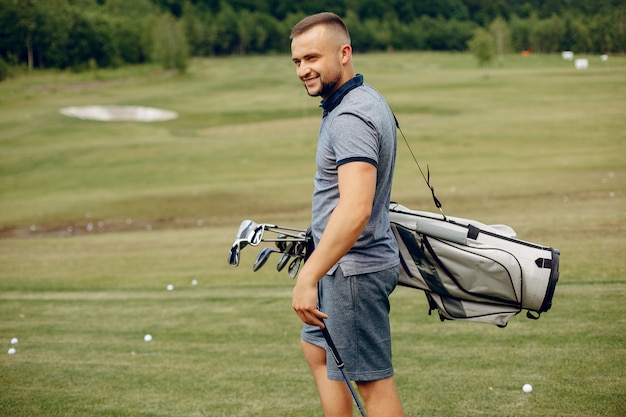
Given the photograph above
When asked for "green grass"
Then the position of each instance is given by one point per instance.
(534, 144)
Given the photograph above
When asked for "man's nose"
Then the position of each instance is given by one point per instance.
(303, 70)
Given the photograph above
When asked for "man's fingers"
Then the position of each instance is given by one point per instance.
(313, 318)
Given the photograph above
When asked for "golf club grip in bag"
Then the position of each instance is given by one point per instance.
(309, 245)
(471, 271)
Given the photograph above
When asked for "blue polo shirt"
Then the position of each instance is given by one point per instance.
(357, 125)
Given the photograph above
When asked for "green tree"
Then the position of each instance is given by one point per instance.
(484, 11)
(226, 31)
(547, 34)
(619, 29)
(602, 36)
(445, 35)
(5, 70)
(379, 34)
(245, 31)
(31, 29)
(135, 9)
(169, 45)
(52, 34)
(91, 40)
(576, 36)
(129, 23)
(500, 31)
(520, 33)
(406, 37)
(482, 46)
(195, 30)
(29, 16)
(271, 35)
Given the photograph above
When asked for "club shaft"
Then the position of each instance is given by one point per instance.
(291, 239)
(276, 228)
(341, 367)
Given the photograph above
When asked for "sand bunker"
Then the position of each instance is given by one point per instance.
(119, 113)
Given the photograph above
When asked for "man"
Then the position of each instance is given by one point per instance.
(346, 282)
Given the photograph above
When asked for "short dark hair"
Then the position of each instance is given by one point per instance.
(324, 18)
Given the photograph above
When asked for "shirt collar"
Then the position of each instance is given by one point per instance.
(333, 101)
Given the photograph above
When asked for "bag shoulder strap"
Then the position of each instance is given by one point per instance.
(426, 177)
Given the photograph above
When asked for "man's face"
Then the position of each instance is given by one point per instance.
(318, 61)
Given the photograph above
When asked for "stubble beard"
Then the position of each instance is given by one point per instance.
(326, 89)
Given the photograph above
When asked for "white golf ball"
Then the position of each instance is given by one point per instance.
(14, 341)
(11, 351)
(170, 287)
(194, 282)
(527, 388)
(147, 338)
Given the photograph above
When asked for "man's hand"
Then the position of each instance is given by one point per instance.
(304, 302)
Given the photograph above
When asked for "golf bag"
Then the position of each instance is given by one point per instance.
(472, 271)
(468, 270)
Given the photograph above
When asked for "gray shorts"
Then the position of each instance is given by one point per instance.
(358, 322)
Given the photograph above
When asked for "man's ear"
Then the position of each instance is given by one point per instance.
(346, 53)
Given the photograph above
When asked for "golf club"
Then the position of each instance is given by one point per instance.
(234, 253)
(246, 231)
(263, 257)
(245, 235)
(294, 267)
(282, 262)
(282, 243)
(341, 366)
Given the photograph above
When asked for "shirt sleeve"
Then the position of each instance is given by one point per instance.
(354, 138)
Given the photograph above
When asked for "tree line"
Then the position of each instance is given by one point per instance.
(83, 34)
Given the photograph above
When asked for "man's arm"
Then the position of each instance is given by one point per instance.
(357, 186)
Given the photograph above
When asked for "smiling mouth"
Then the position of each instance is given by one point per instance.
(309, 81)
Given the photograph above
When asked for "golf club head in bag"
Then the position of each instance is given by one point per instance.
(295, 244)
(297, 250)
(294, 267)
(246, 235)
(247, 232)
(282, 242)
(283, 261)
(263, 257)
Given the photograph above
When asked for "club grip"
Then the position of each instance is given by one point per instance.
(332, 347)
